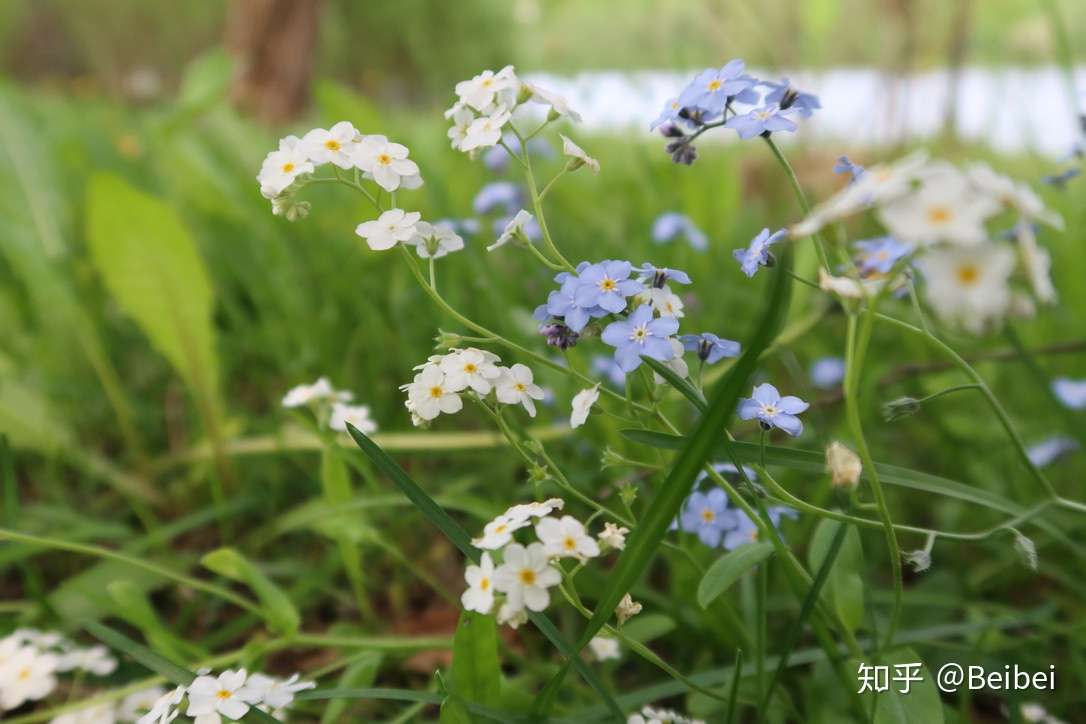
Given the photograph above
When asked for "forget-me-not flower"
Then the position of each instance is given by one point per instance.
(1072, 393)
(771, 410)
(757, 253)
(745, 531)
(671, 224)
(1050, 449)
(658, 276)
(712, 88)
(827, 372)
(562, 303)
(641, 335)
(670, 114)
(707, 515)
(880, 254)
(709, 347)
(785, 96)
(768, 119)
(607, 285)
(844, 165)
(504, 194)
(607, 367)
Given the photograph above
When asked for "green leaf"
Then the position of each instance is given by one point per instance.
(646, 627)
(205, 81)
(920, 706)
(337, 491)
(844, 590)
(362, 672)
(688, 390)
(476, 671)
(162, 666)
(727, 569)
(455, 711)
(276, 606)
(134, 607)
(153, 269)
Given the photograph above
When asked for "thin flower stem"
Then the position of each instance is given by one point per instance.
(537, 205)
(433, 275)
(800, 196)
(560, 174)
(947, 391)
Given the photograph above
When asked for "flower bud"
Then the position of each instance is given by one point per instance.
(447, 340)
(920, 560)
(900, 408)
(1026, 550)
(627, 608)
(843, 465)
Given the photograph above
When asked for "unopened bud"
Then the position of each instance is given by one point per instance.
(1026, 550)
(447, 340)
(920, 560)
(843, 465)
(627, 608)
(900, 408)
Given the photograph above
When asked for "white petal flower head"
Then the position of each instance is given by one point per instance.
(512, 616)
(335, 145)
(582, 404)
(613, 536)
(847, 287)
(627, 608)
(525, 575)
(484, 131)
(676, 363)
(356, 415)
(605, 648)
(430, 395)
(499, 532)
(433, 241)
(1037, 264)
(282, 167)
(276, 693)
(515, 387)
(843, 465)
(515, 228)
(27, 674)
(968, 286)
(458, 133)
(488, 88)
(524, 511)
(559, 105)
(390, 228)
(566, 537)
(578, 156)
(135, 706)
(480, 579)
(100, 714)
(1017, 196)
(319, 391)
(945, 208)
(165, 709)
(94, 659)
(472, 368)
(665, 302)
(387, 162)
(225, 695)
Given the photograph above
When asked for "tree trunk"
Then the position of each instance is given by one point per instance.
(273, 43)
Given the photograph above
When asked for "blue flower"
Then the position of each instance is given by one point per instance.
(606, 285)
(880, 254)
(785, 96)
(745, 531)
(1072, 393)
(1050, 449)
(768, 119)
(771, 410)
(1060, 180)
(607, 367)
(671, 224)
(730, 472)
(497, 159)
(670, 114)
(710, 348)
(496, 194)
(827, 372)
(641, 335)
(707, 515)
(562, 303)
(844, 165)
(757, 253)
(463, 227)
(712, 88)
(658, 276)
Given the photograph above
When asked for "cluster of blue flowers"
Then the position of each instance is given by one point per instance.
(503, 199)
(717, 525)
(730, 97)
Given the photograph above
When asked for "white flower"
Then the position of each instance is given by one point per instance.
(429, 394)
(847, 287)
(968, 285)
(33, 637)
(515, 387)
(387, 162)
(559, 105)
(226, 695)
(665, 302)
(165, 708)
(498, 532)
(480, 579)
(489, 88)
(945, 208)
(919, 559)
(357, 415)
(462, 119)
(514, 228)
(649, 715)
(319, 391)
(525, 575)
(511, 616)
(605, 648)
(613, 536)
(336, 145)
(391, 227)
(435, 240)
(582, 404)
(282, 167)
(565, 537)
(484, 131)
(472, 368)
(1037, 264)
(94, 659)
(676, 364)
(26, 674)
(1016, 196)
(580, 158)
(100, 714)
(843, 465)
(627, 608)
(524, 511)
(276, 693)
(136, 706)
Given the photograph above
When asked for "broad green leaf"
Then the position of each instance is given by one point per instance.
(727, 569)
(476, 671)
(275, 604)
(920, 706)
(84, 596)
(454, 710)
(205, 81)
(646, 627)
(844, 590)
(153, 268)
(29, 420)
(134, 607)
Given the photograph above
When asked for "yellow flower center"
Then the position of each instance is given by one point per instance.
(968, 274)
(501, 528)
(708, 515)
(288, 167)
(607, 285)
(569, 543)
(940, 214)
(436, 392)
(487, 83)
(714, 85)
(470, 368)
(332, 144)
(484, 584)
(24, 674)
(639, 334)
(384, 159)
(527, 576)
(224, 694)
(519, 387)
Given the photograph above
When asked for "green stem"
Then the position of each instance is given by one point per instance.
(800, 196)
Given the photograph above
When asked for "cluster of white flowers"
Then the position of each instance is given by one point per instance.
(441, 379)
(524, 573)
(648, 715)
(31, 659)
(229, 696)
(948, 217)
(331, 405)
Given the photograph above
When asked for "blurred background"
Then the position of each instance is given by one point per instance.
(122, 434)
